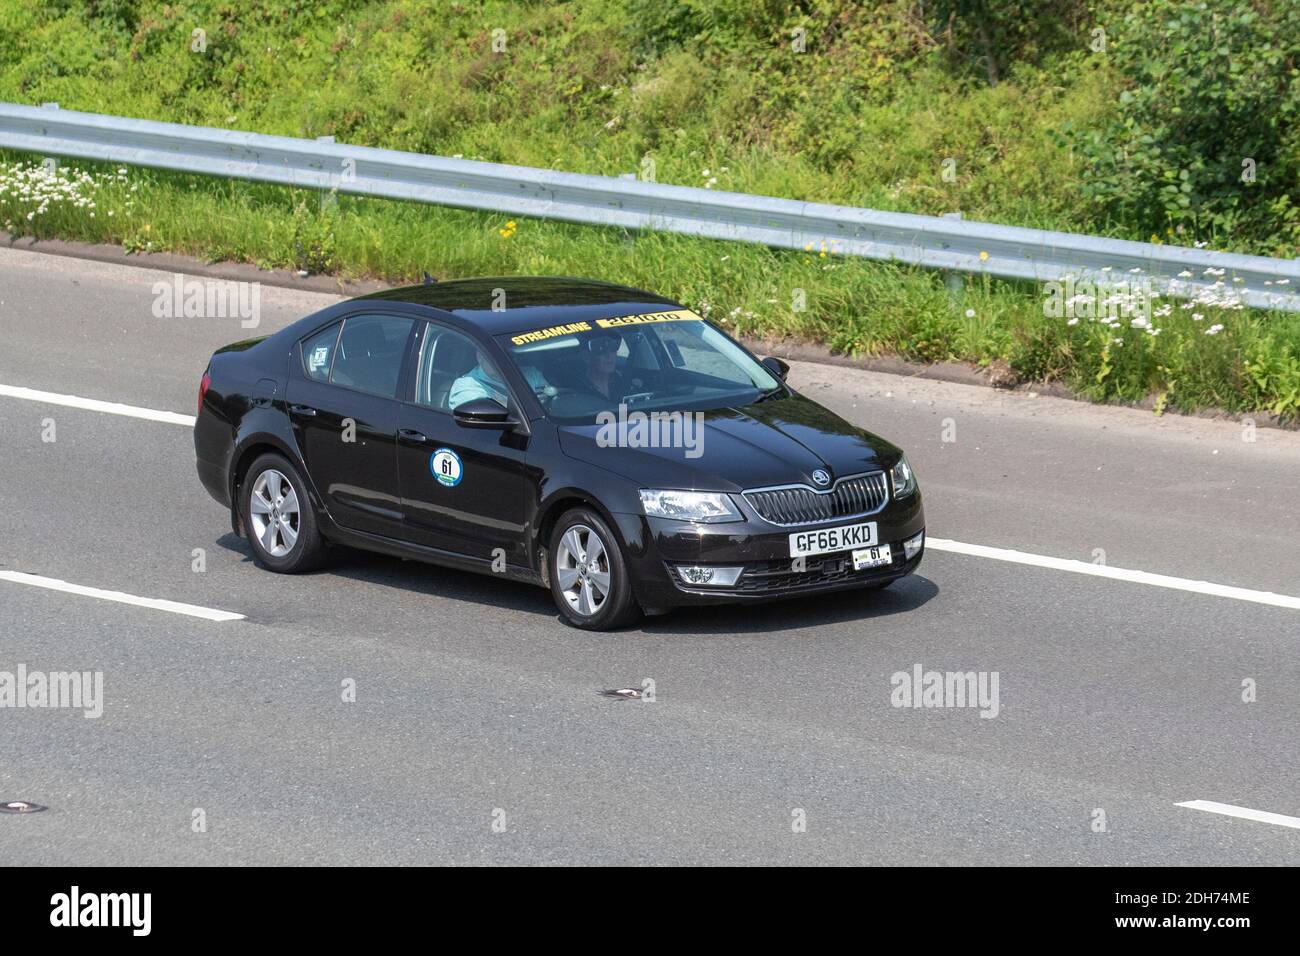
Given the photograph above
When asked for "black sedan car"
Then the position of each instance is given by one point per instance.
(601, 441)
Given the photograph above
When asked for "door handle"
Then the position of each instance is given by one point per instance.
(412, 436)
(306, 411)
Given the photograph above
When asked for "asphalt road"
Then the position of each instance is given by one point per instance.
(475, 705)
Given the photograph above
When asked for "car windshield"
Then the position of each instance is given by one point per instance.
(657, 362)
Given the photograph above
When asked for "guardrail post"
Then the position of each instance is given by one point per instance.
(50, 163)
(328, 198)
(955, 281)
(629, 236)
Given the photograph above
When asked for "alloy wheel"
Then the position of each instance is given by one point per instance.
(275, 513)
(582, 570)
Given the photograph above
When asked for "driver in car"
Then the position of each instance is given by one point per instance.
(483, 381)
(598, 374)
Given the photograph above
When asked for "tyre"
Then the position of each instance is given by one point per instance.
(589, 577)
(278, 517)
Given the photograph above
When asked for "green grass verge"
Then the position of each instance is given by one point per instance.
(1203, 356)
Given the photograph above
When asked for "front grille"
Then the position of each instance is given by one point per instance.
(793, 505)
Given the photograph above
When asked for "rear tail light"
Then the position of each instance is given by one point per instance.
(203, 389)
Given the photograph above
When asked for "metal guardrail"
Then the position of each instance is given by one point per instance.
(931, 241)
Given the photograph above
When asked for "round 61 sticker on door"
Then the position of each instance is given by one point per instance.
(445, 466)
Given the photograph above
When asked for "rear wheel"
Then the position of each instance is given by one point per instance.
(589, 577)
(278, 517)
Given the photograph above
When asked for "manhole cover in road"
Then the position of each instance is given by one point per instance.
(624, 693)
(20, 806)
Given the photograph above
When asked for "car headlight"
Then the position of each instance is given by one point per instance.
(903, 479)
(705, 506)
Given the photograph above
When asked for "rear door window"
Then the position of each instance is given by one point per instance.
(369, 353)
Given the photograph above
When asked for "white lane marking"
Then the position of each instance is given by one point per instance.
(1245, 813)
(95, 405)
(1116, 574)
(175, 607)
(938, 544)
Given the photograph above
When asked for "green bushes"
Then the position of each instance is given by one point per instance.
(1273, 376)
(992, 36)
(1203, 142)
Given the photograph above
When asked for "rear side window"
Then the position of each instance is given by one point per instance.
(318, 353)
(369, 353)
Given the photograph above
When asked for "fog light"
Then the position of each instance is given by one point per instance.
(912, 546)
(703, 576)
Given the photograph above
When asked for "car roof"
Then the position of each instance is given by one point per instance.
(520, 303)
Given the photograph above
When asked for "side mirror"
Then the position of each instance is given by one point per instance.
(777, 367)
(483, 413)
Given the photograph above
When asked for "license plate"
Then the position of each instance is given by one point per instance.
(871, 557)
(844, 538)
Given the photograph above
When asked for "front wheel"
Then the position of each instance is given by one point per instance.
(589, 578)
(278, 517)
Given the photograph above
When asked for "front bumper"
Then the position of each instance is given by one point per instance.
(656, 546)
